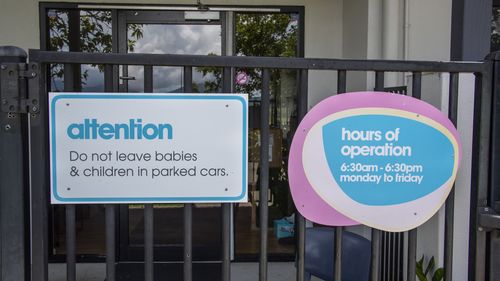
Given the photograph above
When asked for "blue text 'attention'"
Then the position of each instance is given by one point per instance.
(91, 129)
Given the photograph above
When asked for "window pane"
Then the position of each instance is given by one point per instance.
(267, 35)
(181, 39)
(93, 35)
(495, 30)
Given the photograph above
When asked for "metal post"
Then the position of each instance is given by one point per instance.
(480, 171)
(299, 219)
(188, 242)
(39, 142)
(70, 243)
(338, 253)
(412, 234)
(377, 234)
(412, 255)
(264, 173)
(450, 201)
(13, 176)
(337, 272)
(148, 242)
(493, 255)
(226, 242)
(341, 81)
(110, 243)
(226, 207)
(110, 209)
(188, 208)
(376, 250)
(148, 78)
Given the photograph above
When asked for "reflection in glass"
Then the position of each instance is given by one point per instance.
(495, 30)
(267, 35)
(93, 35)
(181, 39)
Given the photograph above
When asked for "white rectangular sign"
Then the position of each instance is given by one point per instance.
(148, 148)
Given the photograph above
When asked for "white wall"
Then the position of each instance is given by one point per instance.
(355, 40)
(425, 35)
(429, 39)
(462, 184)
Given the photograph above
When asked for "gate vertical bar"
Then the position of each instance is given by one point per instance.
(188, 208)
(338, 253)
(341, 88)
(148, 78)
(412, 234)
(188, 242)
(74, 46)
(39, 147)
(264, 173)
(400, 258)
(226, 207)
(299, 219)
(341, 81)
(392, 255)
(110, 243)
(384, 261)
(109, 209)
(69, 86)
(376, 234)
(492, 195)
(12, 173)
(148, 242)
(480, 171)
(70, 243)
(450, 201)
(148, 208)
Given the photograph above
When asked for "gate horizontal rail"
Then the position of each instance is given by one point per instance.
(39, 142)
(254, 62)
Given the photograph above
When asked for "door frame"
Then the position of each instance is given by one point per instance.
(228, 41)
(128, 252)
(168, 17)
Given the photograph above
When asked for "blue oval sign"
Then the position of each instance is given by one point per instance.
(373, 156)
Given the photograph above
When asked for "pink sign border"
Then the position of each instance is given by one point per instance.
(308, 203)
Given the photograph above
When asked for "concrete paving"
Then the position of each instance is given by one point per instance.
(278, 271)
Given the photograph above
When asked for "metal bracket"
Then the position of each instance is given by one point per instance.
(489, 219)
(14, 94)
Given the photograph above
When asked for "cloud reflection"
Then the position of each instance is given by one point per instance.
(179, 39)
(189, 39)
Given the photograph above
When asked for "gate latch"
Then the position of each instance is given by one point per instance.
(15, 80)
(489, 218)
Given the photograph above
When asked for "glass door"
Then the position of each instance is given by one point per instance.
(170, 32)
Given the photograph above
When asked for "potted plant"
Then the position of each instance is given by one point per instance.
(434, 275)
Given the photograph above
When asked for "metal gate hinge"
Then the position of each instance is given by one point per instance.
(489, 219)
(15, 80)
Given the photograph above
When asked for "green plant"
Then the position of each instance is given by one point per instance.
(435, 275)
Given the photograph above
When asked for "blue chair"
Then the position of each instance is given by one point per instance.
(319, 257)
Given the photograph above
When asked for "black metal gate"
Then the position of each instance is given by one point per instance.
(24, 142)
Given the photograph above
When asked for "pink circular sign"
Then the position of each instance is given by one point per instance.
(241, 78)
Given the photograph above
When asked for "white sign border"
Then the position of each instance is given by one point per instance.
(56, 199)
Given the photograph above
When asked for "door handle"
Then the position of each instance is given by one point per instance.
(127, 77)
(489, 218)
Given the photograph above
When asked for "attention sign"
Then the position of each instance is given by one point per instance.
(384, 160)
(148, 148)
